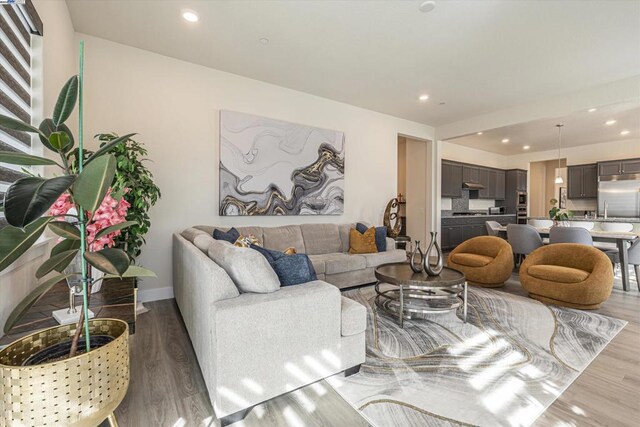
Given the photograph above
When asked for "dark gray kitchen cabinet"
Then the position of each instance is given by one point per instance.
(471, 231)
(470, 174)
(631, 166)
(451, 179)
(451, 236)
(483, 179)
(582, 182)
(500, 182)
(521, 181)
(590, 181)
(609, 168)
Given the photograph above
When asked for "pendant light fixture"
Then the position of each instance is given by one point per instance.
(559, 179)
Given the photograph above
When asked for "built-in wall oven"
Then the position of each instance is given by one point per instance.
(521, 208)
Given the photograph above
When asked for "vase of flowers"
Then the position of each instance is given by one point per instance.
(92, 355)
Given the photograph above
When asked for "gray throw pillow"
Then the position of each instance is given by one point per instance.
(248, 269)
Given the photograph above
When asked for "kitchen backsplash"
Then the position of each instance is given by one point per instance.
(464, 204)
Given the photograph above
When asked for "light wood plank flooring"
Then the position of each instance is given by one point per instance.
(167, 388)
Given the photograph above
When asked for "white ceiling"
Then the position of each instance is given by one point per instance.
(580, 128)
(475, 56)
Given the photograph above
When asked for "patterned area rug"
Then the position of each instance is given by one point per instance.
(504, 367)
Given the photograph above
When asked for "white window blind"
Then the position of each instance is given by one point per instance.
(18, 23)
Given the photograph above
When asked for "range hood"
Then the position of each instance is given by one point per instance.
(472, 186)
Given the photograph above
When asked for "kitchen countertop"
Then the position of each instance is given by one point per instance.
(579, 218)
(479, 215)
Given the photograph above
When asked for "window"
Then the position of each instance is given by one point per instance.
(18, 22)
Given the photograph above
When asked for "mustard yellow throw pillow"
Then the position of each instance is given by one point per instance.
(362, 243)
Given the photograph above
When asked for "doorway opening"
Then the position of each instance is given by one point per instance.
(414, 184)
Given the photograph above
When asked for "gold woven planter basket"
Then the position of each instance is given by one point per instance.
(81, 391)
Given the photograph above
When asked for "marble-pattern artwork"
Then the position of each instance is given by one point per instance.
(272, 167)
(504, 367)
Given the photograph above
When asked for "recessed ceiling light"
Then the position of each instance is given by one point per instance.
(506, 140)
(423, 97)
(190, 15)
(591, 110)
(264, 40)
(625, 132)
(526, 147)
(427, 6)
(479, 133)
(610, 122)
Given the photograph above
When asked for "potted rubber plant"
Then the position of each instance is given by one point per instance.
(556, 214)
(90, 358)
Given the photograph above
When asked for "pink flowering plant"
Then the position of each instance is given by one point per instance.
(82, 193)
(109, 214)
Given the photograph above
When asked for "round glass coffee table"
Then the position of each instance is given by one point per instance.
(418, 293)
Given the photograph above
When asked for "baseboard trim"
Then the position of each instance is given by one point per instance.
(155, 294)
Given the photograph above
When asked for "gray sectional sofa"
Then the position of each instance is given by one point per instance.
(328, 248)
(251, 346)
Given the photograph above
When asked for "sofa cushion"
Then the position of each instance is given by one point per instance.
(191, 233)
(321, 238)
(344, 230)
(353, 317)
(394, 255)
(281, 238)
(202, 241)
(557, 273)
(318, 263)
(381, 235)
(339, 262)
(471, 260)
(362, 243)
(248, 269)
(230, 236)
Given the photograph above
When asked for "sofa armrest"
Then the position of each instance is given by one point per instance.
(277, 341)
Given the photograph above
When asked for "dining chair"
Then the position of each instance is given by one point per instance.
(570, 235)
(524, 239)
(616, 227)
(541, 223)
(587, 225)
(493, 228)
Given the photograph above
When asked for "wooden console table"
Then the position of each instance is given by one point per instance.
(116, 299)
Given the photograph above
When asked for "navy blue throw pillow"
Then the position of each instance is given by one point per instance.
(230, 236)
(290, 269)
(381, 236)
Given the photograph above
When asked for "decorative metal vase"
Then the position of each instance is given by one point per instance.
(81, 391)
(429, 268)
(414, 262)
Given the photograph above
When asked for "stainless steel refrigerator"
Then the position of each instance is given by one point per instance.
(621, 195)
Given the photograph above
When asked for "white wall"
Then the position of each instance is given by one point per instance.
(460, 153)
(612, 150)
(52, 69)
(174, 106)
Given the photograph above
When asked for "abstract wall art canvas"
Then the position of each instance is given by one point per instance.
(272, 167)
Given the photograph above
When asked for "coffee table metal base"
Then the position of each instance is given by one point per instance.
(406, 301)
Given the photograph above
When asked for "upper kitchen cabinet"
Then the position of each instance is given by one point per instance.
(451, 179)
(582, 182)
(471, 174)
(500, 182)
(484, 180)
(521, 180)
(619, 167)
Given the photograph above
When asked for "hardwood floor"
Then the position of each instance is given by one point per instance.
(167, 388)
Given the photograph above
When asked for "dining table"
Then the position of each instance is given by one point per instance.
(622, 239)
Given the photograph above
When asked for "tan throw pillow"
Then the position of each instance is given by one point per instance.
(290, 251)
(362, 243)
(246, 241)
